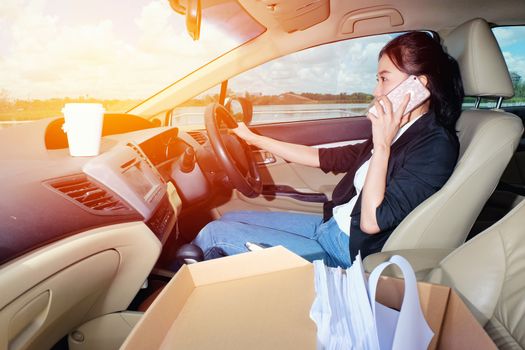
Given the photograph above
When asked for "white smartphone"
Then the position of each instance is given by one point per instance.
(418, 94)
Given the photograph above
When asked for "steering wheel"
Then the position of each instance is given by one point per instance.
(232, 152)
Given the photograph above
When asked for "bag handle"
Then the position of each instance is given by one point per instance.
(412, 330)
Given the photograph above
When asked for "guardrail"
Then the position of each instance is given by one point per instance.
(281, 115)
(8, 123)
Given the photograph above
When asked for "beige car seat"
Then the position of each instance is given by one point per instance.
(489, 273)
(488, 139)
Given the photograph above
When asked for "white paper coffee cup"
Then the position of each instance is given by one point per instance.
(83, 125)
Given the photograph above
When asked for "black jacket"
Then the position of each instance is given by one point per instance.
(420, 163)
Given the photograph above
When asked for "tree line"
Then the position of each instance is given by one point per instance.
(16, 109)
(519, 85)
(38, 108)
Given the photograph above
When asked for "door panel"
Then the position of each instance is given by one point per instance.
(318, 132)
(296, 177)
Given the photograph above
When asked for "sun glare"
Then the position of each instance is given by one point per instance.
(116, 52)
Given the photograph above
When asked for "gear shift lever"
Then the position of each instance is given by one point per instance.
(189, 254)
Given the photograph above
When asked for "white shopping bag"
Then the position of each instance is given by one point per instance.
(348, 317)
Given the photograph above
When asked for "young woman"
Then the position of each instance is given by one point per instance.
(409, 157)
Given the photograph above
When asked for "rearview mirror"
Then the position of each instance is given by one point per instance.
(192, 10)
(240, 108)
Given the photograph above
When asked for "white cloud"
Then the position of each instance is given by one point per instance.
(348, 66)
(515, 63)
(9, 9)
(507, 36)
(503, 35)
(48, 58)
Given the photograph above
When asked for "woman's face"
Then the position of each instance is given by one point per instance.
(388, 76)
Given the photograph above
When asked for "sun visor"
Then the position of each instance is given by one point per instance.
(294, 15)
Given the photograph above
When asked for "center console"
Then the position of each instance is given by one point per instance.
(127, 172)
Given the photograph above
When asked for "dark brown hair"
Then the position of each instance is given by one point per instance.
(417, 53)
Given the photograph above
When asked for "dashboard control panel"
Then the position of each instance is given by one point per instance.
(127, 172)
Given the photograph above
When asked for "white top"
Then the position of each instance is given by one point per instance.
(342, 212)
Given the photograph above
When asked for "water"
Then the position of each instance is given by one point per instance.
(278, 113)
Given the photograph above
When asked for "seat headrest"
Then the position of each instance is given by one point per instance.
(483, 68)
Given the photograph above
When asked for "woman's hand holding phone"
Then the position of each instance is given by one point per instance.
(411, 85)
(387, 122)
(389, 113)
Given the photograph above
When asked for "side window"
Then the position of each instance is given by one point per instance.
(512, 43)
(329, 81)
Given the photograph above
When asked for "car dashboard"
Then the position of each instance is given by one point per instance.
(49, 195)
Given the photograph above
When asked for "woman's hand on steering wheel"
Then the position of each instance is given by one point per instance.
(244, 133)
(237, 160)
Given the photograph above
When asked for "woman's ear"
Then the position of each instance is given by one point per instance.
(423, 79)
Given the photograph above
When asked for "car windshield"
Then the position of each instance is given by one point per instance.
(112, 52)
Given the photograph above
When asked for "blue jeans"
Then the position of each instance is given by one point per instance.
(303, 234)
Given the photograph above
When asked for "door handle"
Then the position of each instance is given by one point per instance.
(263, 157)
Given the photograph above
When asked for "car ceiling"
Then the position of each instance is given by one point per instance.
(417, 14)
(293, 25)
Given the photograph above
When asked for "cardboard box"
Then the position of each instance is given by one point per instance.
(262, 300)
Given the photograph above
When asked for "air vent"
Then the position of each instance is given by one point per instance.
(146, 160)
(198, 136)
(138, 150)
(89, 195)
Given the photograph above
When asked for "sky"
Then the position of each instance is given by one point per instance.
(97, 48)
(132, 49)
(347, 66)
(512, 43)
